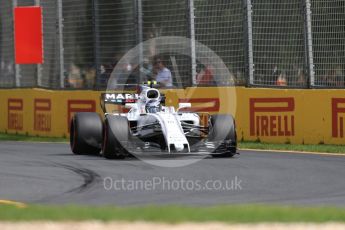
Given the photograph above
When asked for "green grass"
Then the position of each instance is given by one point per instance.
(245, 144)
(175, 214)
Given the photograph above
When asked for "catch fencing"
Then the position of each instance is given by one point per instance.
(266, 43)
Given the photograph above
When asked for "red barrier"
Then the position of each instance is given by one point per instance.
(28, 35)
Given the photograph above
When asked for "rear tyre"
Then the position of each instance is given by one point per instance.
(223, 132)
(115, 137)
(86, 133)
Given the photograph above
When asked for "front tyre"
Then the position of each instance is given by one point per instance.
(223, 132)
(86, 133)
(115, 137)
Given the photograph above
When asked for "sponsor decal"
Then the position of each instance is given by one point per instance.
(74, 106)
(272, 116)
(42, 115)
(15, 114)
(338, 113)
(120, 98)
(201, 104)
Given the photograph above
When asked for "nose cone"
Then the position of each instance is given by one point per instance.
(179, 147)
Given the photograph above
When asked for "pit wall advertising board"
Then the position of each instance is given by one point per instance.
(270, 115)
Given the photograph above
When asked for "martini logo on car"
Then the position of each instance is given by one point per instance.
(15, 114)
(120, 98)
(272, 116)
(338, 113)
(42, 115)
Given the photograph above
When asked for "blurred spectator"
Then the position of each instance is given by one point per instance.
(105, 72)
(133, 75)
(205, 75)
(240, 80)
(90, 77)
(146, 70)
(301, 79)
(281, 80)
(334, 77)
(163, 74)
(74, 78)
(102, 79)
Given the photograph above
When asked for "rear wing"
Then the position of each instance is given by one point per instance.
(117, 99)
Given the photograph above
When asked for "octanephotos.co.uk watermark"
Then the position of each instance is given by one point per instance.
(168, 184)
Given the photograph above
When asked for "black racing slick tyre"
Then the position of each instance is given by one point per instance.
(223, 132)
(86, 133)
(115, 137)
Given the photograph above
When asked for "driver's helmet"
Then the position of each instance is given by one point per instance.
(153, 106)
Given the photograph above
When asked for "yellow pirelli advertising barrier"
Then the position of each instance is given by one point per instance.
(269, 115)
(43, 112)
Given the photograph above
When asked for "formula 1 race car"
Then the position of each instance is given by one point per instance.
(150, 127)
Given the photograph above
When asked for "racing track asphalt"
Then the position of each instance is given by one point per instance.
(49, 173)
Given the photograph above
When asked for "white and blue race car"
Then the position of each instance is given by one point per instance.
(150, 127)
